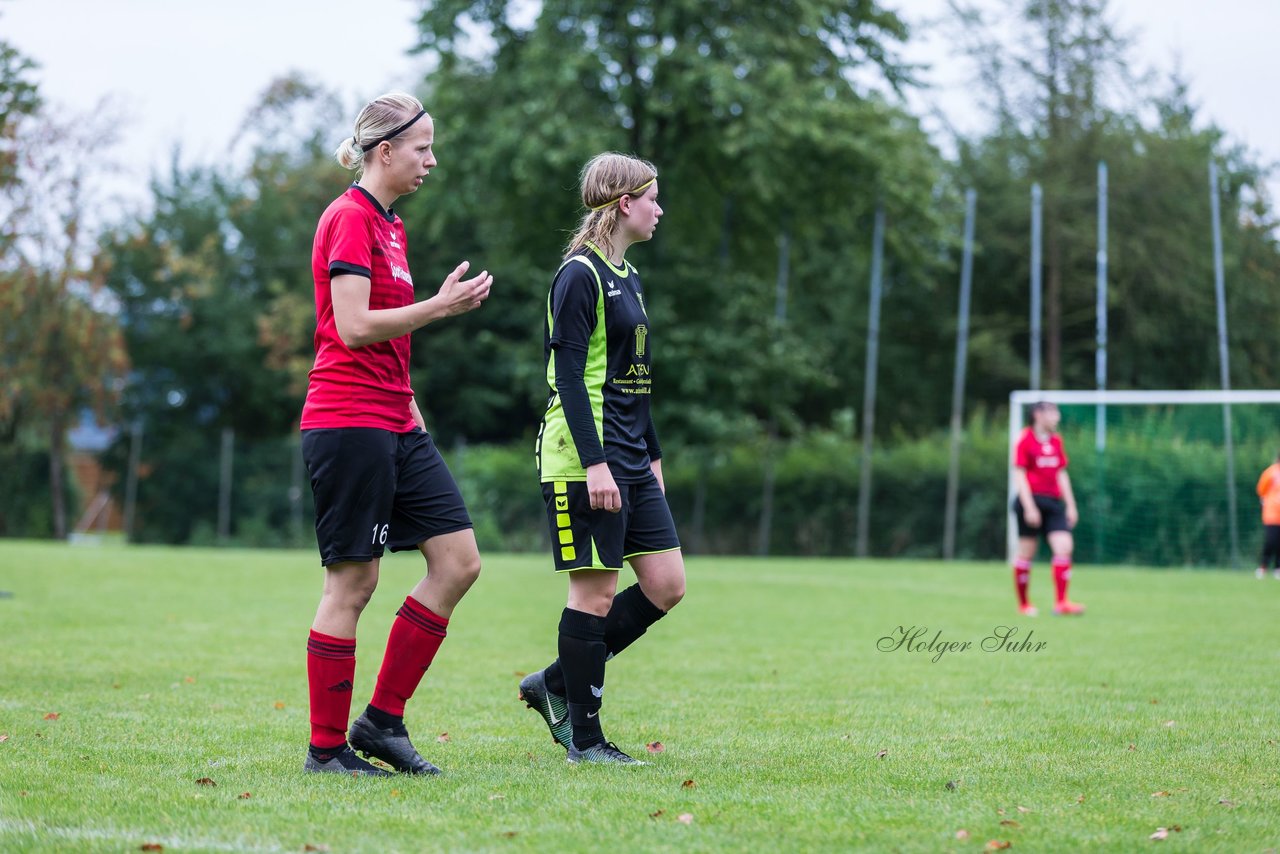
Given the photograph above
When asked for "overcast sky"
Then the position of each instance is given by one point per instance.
(188, 70)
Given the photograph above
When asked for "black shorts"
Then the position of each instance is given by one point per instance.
(1053, 516)
(375, 489)
(582, 538)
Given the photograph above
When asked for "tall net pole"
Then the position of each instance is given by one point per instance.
(869, 389)
(1220, 294)
(1036, 264)
(957, 388)
(1100, 359)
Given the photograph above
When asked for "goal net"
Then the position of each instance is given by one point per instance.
(1162, 478)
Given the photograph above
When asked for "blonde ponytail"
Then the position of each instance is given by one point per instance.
(605, 179)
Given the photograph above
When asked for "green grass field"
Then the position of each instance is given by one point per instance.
(766, 687)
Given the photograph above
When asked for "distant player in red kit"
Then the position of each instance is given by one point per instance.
(379, 481)
(1045, 506)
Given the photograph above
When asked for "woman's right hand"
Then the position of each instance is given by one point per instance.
(458, 295)
(602, 489)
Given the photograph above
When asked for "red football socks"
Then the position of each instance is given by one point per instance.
(415, 638)
(1022, 579)
(331, 666)
(1061, 576)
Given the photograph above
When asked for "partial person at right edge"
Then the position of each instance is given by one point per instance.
(599, 460)
(1269, 496)
(1045, 506)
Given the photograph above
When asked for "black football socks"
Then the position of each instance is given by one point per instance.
(630, 616)
(582, 657)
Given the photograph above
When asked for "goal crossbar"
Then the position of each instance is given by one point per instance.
(1026, 397)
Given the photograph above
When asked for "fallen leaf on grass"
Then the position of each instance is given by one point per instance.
(205, 781)
(657, 814)
(4, 736)
(685, 818)
(1023, 809)
(22, 794)
(115, 685)
(279, 705)
(1160, 834)
(1160, 794)
(244, 796)
(1008, 822)
(497, 797)
(655, 747)
(997, 845)
(519, 673)
(52, 716)
(1169, 723)
(1000, 811)
(882, 754)
(1226, 803)
(443, 738)
(310, 847)
(1155, 702)
(962, 834)
(952, 785)
(151, 846)
(395, 793)
(508, 834)
(1080, 799)
(1131, 746)
(190, 680)
(688, 784)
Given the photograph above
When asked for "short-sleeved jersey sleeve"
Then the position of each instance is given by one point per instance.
(1024, 456)
(350, 244)
(574, 300)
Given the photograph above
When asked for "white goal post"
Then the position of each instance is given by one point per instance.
(1020, 400)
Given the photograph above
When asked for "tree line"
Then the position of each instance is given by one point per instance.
(778, 130)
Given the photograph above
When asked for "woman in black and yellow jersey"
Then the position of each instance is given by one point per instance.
(598, 457)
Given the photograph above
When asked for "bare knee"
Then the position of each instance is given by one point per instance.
(347, 590)
(351, 598)
(468, 569)
(669, 594)
(455, 574)
(597, 602)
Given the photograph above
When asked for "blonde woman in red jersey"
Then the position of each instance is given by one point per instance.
(1045, 506)
(1269, 495)
(377, 477)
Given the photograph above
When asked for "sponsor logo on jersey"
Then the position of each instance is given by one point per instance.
(614, 290)
(398, 272)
